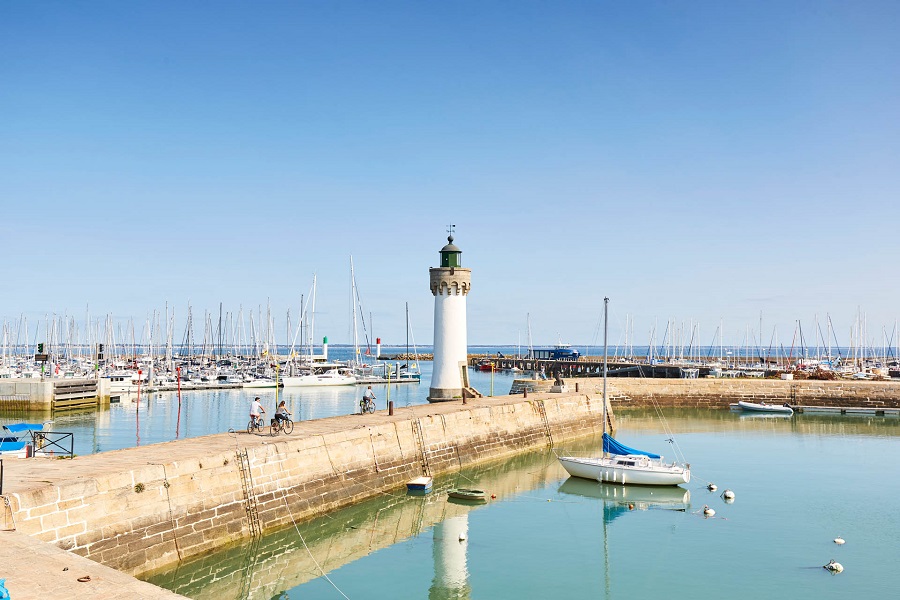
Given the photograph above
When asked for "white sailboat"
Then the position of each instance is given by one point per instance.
(317, 371)
(410, 370)
(619, 463)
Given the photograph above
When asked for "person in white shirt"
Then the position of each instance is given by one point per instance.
(367, 399)
(256, 409)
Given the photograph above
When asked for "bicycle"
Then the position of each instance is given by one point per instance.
(255, 424)
(285, 426)
(367, 405)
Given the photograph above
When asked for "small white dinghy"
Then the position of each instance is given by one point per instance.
(766, 408)
(420, 484)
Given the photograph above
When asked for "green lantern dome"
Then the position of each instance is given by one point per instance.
(450, 254)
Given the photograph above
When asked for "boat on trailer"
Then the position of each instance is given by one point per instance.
(762, 407)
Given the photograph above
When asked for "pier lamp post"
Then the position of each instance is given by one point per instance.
(492, 379)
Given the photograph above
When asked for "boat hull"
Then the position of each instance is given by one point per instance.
(467, 495)
(420, 484)
(765, 408)
(611, 471)
(261, 383)
(316, 382)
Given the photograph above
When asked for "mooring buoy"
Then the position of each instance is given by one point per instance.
(833, 566)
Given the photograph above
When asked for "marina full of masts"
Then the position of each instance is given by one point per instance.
(133, 364)
(811, 353)
(181, 367)
(234, 352)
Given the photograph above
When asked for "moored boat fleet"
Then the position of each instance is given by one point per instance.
(147, 373)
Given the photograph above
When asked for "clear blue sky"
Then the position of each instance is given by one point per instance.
(691, 160)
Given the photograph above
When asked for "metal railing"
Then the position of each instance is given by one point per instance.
(53, 443)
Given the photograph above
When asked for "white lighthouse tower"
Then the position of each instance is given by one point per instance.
(450, 285)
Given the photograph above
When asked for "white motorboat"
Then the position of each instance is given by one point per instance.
(762, 407)
(335, 376)
(127, 381)
(619, 463)
(260, 383)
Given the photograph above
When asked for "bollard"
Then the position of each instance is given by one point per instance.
(576, 387)
(525, 393)
(464, 398)
(391, 408)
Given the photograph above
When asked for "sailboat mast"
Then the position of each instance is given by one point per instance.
(353, 313)
(605, 332)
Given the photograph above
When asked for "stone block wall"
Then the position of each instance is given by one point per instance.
(719, 393)
(144, 518)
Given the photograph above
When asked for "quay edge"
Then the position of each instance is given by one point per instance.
(142, 509)
(191, 499)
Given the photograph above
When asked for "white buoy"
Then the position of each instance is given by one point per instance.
(728, 495)
(839, 541)
(834, 566)
(707, 511)
(712, 487)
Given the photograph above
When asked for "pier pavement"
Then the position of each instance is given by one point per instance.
(36, 570)
(20, 475)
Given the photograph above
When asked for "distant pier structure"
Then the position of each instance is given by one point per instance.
(450, 284)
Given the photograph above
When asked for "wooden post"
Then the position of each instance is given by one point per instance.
(576, 387)
(391, 408)
(525, 393)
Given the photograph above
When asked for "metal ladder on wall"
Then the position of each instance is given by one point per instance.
(417, 431)
(543, 412)
(248, 569)
(249, 498)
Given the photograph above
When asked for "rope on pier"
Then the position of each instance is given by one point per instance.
(308, 551)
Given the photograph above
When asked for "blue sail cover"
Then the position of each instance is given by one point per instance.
(22, 427)
(611, 446)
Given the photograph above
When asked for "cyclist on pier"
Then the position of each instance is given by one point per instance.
(256, 409)
(282, 414)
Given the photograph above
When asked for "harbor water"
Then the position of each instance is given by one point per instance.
(160, 417)
(799, 483)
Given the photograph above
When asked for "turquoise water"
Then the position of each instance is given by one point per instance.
(799, 483)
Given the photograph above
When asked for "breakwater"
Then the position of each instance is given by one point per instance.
(141, 509)
(719, 393)
(281, 562)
